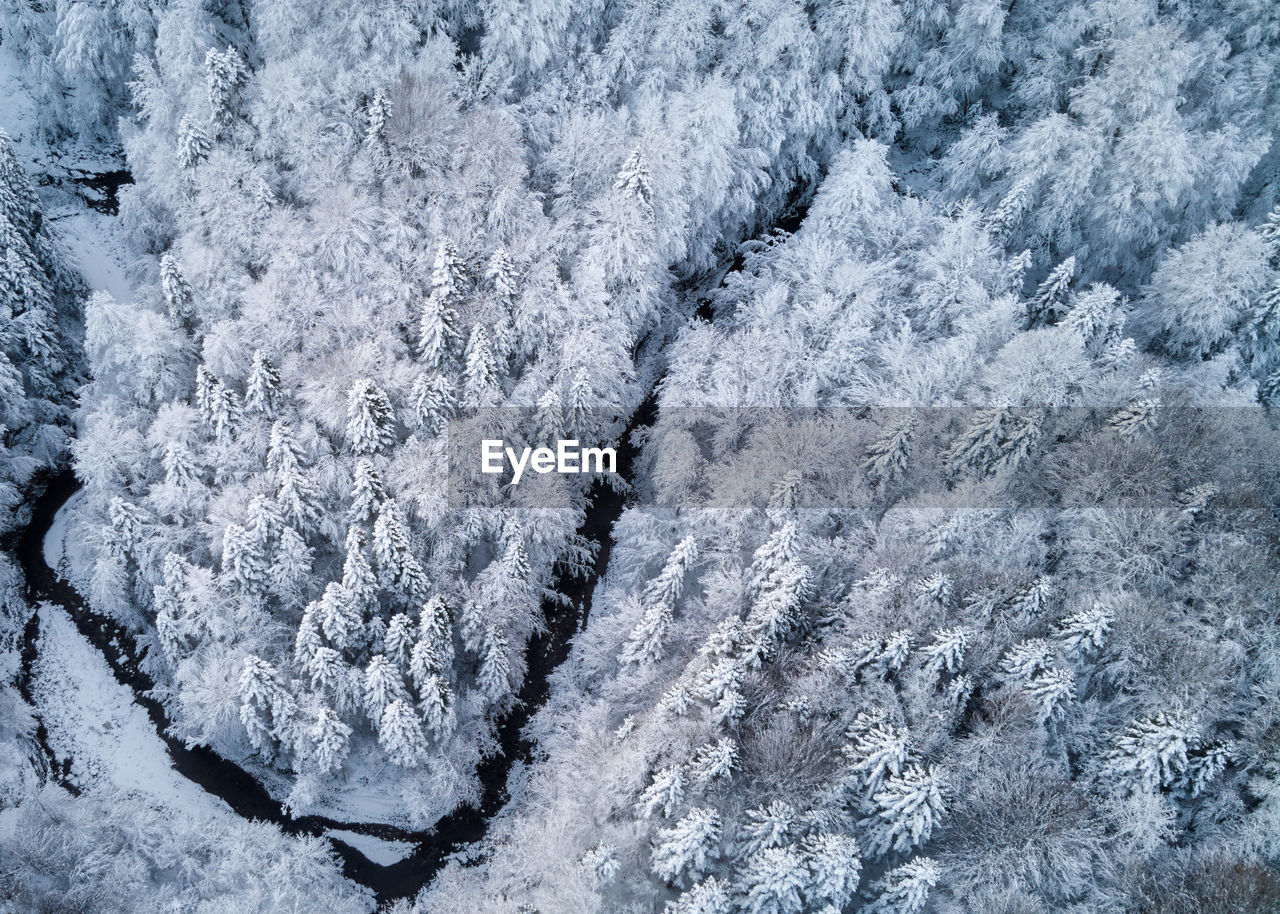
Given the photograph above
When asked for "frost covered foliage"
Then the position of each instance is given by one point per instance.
(39, 356)
(994, 631)
(121, 854)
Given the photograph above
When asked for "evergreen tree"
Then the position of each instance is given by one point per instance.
(193, 144)
(480, 373)
(261, 691)
(382, 685)
(399, 640)
(1084, 632)
(1049, 302)
(245, 560)
(370, 420)
(436, 704)
(877, 749)
(434, 403)
(339, 617)
(399, 570)
(368, 494)
(548, 419)
(835, 867)
(688, 849)
(438, 328)
(376, 121)
(773, 882)
(400, 734)
(225, 73)
(634, 178)
(1153, 753)
(494, 676)
(905, 889)
(665, 792)
(946, 653)
(330, 740)
(178, 297)
(179, 465)
(262, 393)
(908, 807)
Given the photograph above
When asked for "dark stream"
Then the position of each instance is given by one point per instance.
(244, 794)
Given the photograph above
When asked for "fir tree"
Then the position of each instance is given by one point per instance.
(905, 889)
(835, 866)
(773, 882)
(376, 121)
(178, 297)
(262, 393)
(382, 685)
(399, 640)
(193, 144)
(400, 734)
(1152, 753)
(1083, 632)
(877, 750)
(494, 676)
(1049, 302)
(245, 560)
(370, 421)
(399, 570)
(368, 494)
(438, 333)
(339, 617)
(179, 465)
(225, 73)
(434, 403)
(908, 807)
(634, 178)
(330, 740)
(665, 792)
(435, 701)
(548, 419)
(480, 373)
(688, 849)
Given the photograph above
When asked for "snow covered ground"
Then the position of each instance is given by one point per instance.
(93, 720)
(379, 850)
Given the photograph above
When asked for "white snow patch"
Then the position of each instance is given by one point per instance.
(92, 719)
(378, 850)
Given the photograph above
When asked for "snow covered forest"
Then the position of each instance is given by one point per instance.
(940, 341)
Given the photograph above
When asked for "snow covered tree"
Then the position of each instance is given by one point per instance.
(399, 571)
(877, 749)
(382, 685)
(714, 761)
(1025, 660)
(399, 640)
(1152, 753)
(330, 740)
(688, 849)
(370, 420)
(480, 372)
(368, 494)
(245, 560)
(773, 881)
(178, 296)
(376, 121)
(225, 73)
(1050, 301)
(339, 618)
(1084, 631)
(400, 734)
(262, 392)
(665, 792)
(437, 332)
(261, 693)
(908, 807)
(905, 889)
(946, 652)
(835, 866)
(193, 144)
(434, 403)
(494, 675)
(634, 178)
(1051, 691)
(548, 419)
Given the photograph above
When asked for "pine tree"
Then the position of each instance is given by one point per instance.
(494, 676)
(908, 807)
(178, 297)
(665, 792)
(634, 178)
(501, 273)
(397, 567)
(946, 653)
(179, 465)
(1083, 632)
(370, 420)
(714, 761)
(1051, 692)
(438, 327)
(436, 704)
(877, 749)
(434, 403)
(368, 494)
(400, 734)
(480, 373)
(224, 73)
(835, 866)
(260, 693)
(548, 419)
(399, 640)
(382, 685)
(995, 439)
(773, 882)
(291, 568)
(339, 618)
(245, 560)
(688, 849)
(771, 825)
(330, 740)
(223, 413)
(905, 889)
(375, 133)
(262, 393)
(308, 640)
(433, 653)
(193, 144)
(18, 201)
(264, 200)
(1152, 753)
(582, 399)
(888, 454)
(1049, 302)
(1025, 660)
(295, 493)
(893, 655)
(707, 897)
